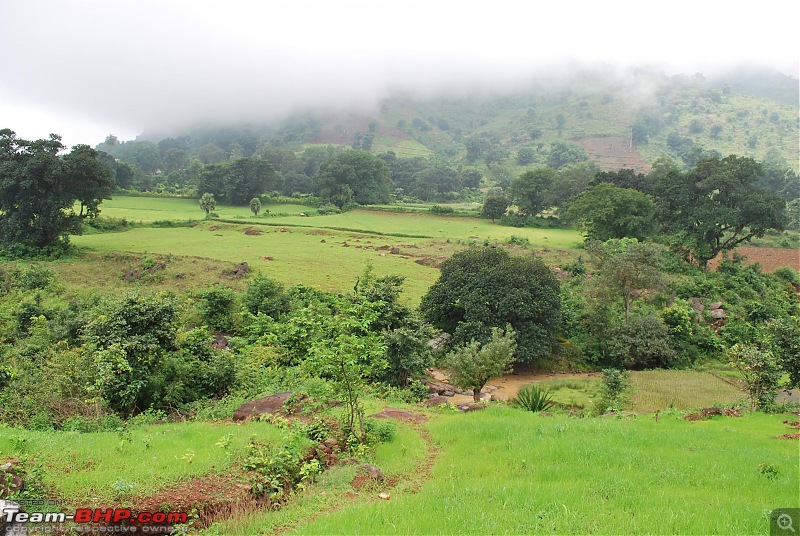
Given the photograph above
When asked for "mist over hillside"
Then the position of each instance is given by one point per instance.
(620, 118)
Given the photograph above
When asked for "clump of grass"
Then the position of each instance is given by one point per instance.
(533, 398)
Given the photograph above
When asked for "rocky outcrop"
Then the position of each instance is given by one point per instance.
(271, 404)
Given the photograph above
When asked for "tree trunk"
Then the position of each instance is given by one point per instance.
(476, 394)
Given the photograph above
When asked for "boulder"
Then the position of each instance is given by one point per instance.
(372, 471)
(718, 314)
(471, 407)
(440, 388)
(696, 305)
(270, 404)
(437, 401)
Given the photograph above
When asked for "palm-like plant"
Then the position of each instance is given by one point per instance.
(533, 398)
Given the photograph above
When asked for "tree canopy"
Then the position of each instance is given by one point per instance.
(364, 175)
(529, 191)
(39, 189)
(482, 288)
(606, 211)
(716, 206)
(237, 181)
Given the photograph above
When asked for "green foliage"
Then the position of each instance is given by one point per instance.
(39, 189)
(783, 335)
(626, 268)
(613, 394)
(494, 207)
(255, 206)
(127, 338)
(533, 398)
(441, 209)
(563, 153)
(482, 288)
(529, 191)
(356, 174)
(605, 211)
(380, 430)
(407, 351)
(472, 365)
(715, 207)
(208, 203)
(237, 181)
(275, 472)
(347, 357)
(266, 296)
(788, 274)
(640, 343)
(216, 307)
(760, 371)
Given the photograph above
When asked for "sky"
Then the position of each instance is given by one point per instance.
(85, 69)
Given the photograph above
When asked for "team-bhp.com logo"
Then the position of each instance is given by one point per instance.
(91, 520)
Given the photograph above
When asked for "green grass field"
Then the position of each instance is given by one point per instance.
(305, 250)
(109, 466)
(150, 209)
(680, 389)
(441, 227)
(296, 256)
(504, 471)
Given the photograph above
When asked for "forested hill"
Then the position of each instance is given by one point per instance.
(617, 121)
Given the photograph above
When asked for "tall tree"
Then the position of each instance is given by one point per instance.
(605, 211)
(366, 175)
(39, 188)
(625, 268)
(530, 191)
(494, 207)
(715, 207)
(482, 288)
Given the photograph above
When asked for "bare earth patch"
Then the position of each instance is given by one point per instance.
(768, 258)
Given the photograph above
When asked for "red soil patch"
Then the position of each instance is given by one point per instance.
(788, 436)
(768, 258)
(613, 153)
(211, 497)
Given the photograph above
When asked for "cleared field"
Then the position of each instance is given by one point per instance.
(150, 209)
(680, 389)
(311, 257)
(428, 225)
(327, 252)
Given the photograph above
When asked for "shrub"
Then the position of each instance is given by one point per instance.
(441, 209)
(216, 307)
(533, 398)
(274, 472)
(379, 430)
(328, 208)
(642, 342)
(616, 384)
(760, 372)
(787, 274)
(266, 296)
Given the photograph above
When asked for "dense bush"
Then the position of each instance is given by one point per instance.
(641, 343)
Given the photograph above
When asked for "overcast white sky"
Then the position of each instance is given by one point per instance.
(85, 68)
